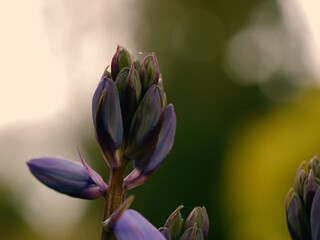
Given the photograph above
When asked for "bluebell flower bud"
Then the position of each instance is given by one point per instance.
(192, 233)
(297, 218)
(129, 224)
(146, 123)
(175, 223)
(107, 119)
(120, 60)
(149, 71)
(129, 89)
(147, 164)
(66, 176)
(302, 203)
(199, 217)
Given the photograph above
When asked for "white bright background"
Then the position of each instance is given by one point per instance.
(52, 54)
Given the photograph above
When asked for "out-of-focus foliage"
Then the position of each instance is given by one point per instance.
(224, 63)
(261, 164)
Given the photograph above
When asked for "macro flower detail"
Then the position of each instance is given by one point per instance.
(133, 123)
(126, 224)
(66, 176)
(107, 119)
(146, 165)
(303, 203)
(196, 227)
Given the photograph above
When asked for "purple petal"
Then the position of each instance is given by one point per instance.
(93, 174)
(315, 216)
(65, 176)
(107, 119)
(165, 232)
(132, 225)
(145, 167)
(297, 218)
(146, 123)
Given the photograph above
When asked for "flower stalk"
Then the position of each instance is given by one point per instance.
(133, 123)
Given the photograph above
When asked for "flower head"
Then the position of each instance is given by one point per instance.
(303, 203)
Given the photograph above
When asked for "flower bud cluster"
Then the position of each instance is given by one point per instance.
(131, 117)
(195, 227)
(128, 224)
(303, 203)
(132, 122)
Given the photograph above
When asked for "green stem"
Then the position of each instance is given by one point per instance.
(114, 195)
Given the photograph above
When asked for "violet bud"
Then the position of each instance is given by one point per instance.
(146, 165)
(149, 71)
(146, 123)
(315, 216)
(302, 203)
(192, 233)
(175, 223)
(297, 218)
(107, 119)
(120, 60)
(199, 217)
(129, 224)
(129, 89)
(65, 176)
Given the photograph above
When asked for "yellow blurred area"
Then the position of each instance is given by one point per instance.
(261, 166)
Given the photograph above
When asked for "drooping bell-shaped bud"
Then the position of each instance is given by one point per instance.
(149, 71)
(120, 60)
(145, 166)
(129, 89)
(107, 119)
(146, 123)
(129, 224)
(199, 217)
(175, 223)
(66, 176)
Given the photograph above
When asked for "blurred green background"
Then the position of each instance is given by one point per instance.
(246, 99)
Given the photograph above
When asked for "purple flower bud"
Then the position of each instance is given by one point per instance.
(146, 123)
(120, 60)
(302, 202)
(297, 218)
(65, 176)
(145, 166)
(129, 89)
(174, 223)
(315, 216)
(149, 71)
(301, 177)
(132, 225)
(199, 217)
(192, 233)
(128, 224)
(107, 119)
(309, 190)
